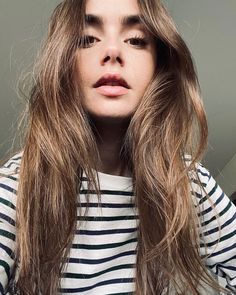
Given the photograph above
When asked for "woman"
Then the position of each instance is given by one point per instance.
(103, 198)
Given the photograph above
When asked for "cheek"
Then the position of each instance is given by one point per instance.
(144, 70)
(143, 63)
(84, 64)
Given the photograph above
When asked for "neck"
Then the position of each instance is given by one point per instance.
(109, 137)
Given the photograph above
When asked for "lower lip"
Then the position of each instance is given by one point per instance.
(112, 90)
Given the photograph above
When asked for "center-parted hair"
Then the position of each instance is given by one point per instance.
(60, 143)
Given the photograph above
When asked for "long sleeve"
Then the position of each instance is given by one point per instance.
(217, 245)
(8, 187)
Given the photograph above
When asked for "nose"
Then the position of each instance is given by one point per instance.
(112, 55)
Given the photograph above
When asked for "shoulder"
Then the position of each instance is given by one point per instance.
(213, 205)
(9, 176)
(12, 165)
(201, 180)
(206, 193)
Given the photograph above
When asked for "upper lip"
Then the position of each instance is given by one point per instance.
(111, 77)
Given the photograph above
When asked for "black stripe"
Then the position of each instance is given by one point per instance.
(6, 268)
(209, 209)
(102, 246)
(195, 194)
(220, 267)
(106, 232)
(84, 178)
(220, 214)
(7, 250)
(12, 163)
(106, 218)
(222, 262)
(1, 289)
(204, 174)
(8, 188)
(102, 260)
(97, 274)
(211, 192)
(104, 283)
(232, 289)
(17, 158)
(196, 181)
(216, 229)
(9, 176)
(225, 250)
(7, 234)
(7, 203)
(107, 192)
(221, 239)
(105, 205)
(7, 218)
(12, 178)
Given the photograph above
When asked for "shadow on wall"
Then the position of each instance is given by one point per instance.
(233, 197)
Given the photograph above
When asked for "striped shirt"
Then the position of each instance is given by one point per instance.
(103, 254)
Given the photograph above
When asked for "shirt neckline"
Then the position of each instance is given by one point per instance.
(113, 182)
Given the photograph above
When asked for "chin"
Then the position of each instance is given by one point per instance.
(111, 118)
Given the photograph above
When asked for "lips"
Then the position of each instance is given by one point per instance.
(111, 80)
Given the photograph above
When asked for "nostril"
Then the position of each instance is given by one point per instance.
(108, 57)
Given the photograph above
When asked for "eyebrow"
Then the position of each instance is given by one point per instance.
(126, 21)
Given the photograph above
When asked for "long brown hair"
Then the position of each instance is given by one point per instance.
(59, 144)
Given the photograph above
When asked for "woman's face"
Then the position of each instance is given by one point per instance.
(114, 52)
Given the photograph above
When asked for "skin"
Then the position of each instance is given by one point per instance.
(112, 50)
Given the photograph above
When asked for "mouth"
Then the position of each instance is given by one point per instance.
(111, 79)
(112, 91)
(111, 85)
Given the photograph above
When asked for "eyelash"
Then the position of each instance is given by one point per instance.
(83, 42)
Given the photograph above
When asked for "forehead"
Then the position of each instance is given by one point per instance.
(115, 5)
(112, 10)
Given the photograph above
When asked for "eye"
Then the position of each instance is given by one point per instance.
(138, 41)
(86, 41)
